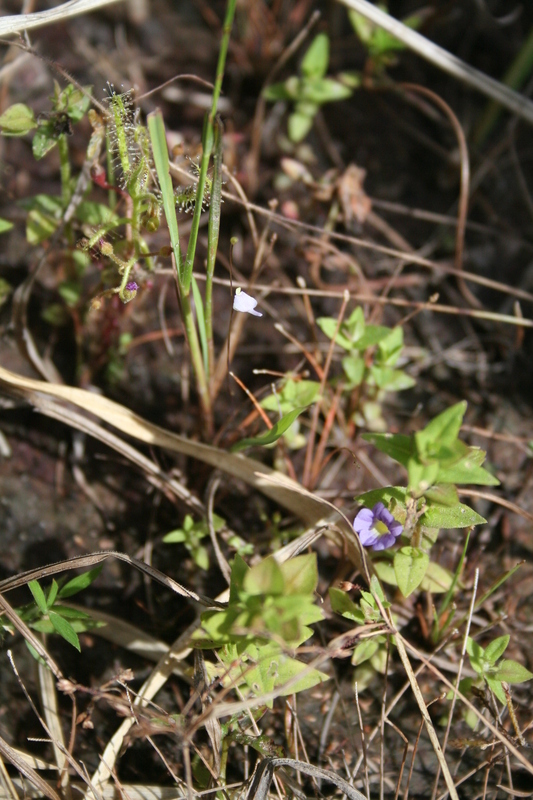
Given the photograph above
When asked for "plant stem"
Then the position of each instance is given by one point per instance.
(196, 358)
(64, 161)
(207, 143)
(212, 242)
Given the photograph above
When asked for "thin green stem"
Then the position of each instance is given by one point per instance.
(196, 358)
(207, 143)
(212, 242)
(221, 65)
(156, 128)
(64, 161)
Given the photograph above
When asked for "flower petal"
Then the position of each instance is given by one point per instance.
(385, 541)
(368, 537)
(383, 514)
(245, 302)
(364, 520)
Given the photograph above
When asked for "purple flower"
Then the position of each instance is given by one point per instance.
(376, 527)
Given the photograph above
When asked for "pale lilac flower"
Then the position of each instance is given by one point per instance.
(376, 527)
(244, 302)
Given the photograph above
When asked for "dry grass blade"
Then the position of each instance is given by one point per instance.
(82, 562)
(128, 636)
(449, 63)
(24, 22)
(484, 720)
(51, 714)
(129, 791)
(260, 785)
(289, 494)
(28, 635)
(9, 789)
(427, 719)
(11, 755)
(157, 679)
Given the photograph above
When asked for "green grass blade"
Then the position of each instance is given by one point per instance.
(200, 318)
(212, 238)
(156, 128)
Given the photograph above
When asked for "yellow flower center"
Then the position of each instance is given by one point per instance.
(380, 527)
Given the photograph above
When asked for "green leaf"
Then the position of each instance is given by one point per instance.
(299, 126)
(362, 26)
(390, 347)
(45, 203)
(300, 574)
(512, 672)
(5, 290)
(442, 494)
(385, 495)
(70, 291)
(200, 556)
(45, 139)
(373, 335)
(52, 594)
(293, 394)
(64, 629)
(273, 672)
(17, 120)
(80, 582)
(264, 578)
(318, 91)
(437, 579)
(393, 380)
(277, 91)
(38, 596)
(495, 649)
(5, 225)
(55, 314)
(476, 655)
(354, 369)
(442, 430)
(328, 326)
(421, 476)
(468, 469)
(342, 604)
(39, 227)
(458, 516)
(410, 566)
(365, 650)
(175, 536)
(273, 434)
(78, 103)
(316, 60)
(72, 613)
(396, 445)
(497, 688)
(385, 572)
(96, 214)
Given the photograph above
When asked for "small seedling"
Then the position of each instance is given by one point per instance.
(310, 90)
(48, 615)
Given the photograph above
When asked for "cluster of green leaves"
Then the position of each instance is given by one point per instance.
(47, 615)
(436, 461)
(289, 401)
(381, 45)
(51, 130)
(310, 90)
(371, 651)
(370, 363)
(270, 608)
(192, 533)
(69, 106)
(493, 672)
